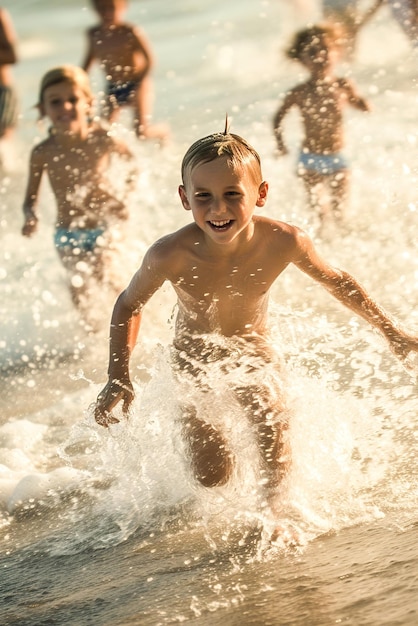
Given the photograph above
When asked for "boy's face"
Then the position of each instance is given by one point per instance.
(66, 105)
(222, 199)
(110, 11)
(319, 54)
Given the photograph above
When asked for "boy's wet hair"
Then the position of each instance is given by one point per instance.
(70, 73)
(237, 150)
(309, 38)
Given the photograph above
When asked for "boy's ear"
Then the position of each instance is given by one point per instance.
(41, 111)
(262, 193)
(183, 198)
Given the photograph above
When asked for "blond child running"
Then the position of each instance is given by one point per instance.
(76, 155)
(222, 267)
(321, 101)
(125, 55)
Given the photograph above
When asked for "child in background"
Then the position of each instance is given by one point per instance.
(126, 58)
(320, 100)
(8, 98)
(222, 266)
(76, 155)
(405, 12)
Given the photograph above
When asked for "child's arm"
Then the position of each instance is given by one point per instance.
(8, 54)
(142, 44)
(288, 102)
(353, 97)
(90, 56)
(367, 16)
(124, 330)
(349, 292)
(36, 168)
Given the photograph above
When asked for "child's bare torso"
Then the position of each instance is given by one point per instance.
(321, 105)
(225, 294)
(76, 175)
(120, 53)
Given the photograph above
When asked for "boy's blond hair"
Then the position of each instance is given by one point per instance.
(70, 73)
(238, 151)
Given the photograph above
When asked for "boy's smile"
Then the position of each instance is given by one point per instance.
(222, 199)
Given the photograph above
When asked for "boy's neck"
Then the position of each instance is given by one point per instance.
(69, 137)
(238, 247)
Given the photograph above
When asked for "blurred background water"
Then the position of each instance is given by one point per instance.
(103, 527)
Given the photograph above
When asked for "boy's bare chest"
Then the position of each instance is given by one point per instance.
(108, 42)
(75, 164)
(322, 101)
(207, 281)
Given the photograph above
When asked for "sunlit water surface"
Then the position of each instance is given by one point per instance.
(108, 527)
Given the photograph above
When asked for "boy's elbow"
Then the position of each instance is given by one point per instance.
(123, 308)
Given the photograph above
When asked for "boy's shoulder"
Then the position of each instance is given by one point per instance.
(276, 234)
(188, 235)
(300, 91)
(43, 146)
(119, 29)
(98, 131)
(267, 224)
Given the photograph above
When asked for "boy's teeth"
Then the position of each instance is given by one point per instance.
(222, 223)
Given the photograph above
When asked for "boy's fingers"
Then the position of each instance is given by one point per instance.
(106, 402)
(127, 400)
(103, 417)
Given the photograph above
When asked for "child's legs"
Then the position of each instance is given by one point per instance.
(81, 267)
(335, 186)
(109, 109)
(315, 189)
(339, 187)
(142, 104)
(211, 459)
(267, 412)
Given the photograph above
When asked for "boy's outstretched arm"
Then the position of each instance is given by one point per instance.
(368, 14)
(124, 328)
(349, 292)
(288, 102)
(354, 98)
(89, 56)
(36, 167)
(8, 39)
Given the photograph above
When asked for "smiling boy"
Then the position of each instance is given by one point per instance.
(76, 156)
(222, 267)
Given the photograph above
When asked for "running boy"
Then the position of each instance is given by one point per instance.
(222, 267)
(75, 155)
(126, 58)
(320, 100)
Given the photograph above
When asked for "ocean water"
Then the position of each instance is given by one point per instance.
(107, 527)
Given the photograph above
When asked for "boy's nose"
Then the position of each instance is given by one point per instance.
(219, 207)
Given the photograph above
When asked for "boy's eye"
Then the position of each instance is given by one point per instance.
(202, 195)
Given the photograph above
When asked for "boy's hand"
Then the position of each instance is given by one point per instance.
(108, 398)
(402, 344)
(281, 150)
(30, 226)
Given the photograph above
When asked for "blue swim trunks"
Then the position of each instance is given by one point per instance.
(121, 93)
(322, 163)
(84, 239)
